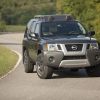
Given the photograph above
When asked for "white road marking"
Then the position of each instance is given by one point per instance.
(16, 65)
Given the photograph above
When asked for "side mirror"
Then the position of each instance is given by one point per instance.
(91, 33)
(34, 35)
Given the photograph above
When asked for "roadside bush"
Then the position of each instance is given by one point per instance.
(2, 26)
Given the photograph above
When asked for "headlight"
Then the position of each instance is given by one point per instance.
(50, 47)
(94, 46)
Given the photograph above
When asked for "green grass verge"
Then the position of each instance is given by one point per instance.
(7, 60)
(15, 28)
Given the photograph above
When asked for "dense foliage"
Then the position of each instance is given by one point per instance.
(87, 11)
(20, 11)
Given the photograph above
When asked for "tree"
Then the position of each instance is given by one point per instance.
(87, 11)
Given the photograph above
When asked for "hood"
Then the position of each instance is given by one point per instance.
(69, 39)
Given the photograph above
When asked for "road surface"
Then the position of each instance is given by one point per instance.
(64, 85)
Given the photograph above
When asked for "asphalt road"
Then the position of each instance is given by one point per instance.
(64, 85)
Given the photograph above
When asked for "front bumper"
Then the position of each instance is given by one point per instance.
(74, 63)
(55, 59)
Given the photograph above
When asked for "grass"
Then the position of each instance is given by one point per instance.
(15, 28)
(7, 60)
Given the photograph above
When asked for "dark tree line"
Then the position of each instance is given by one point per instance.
(20, 11)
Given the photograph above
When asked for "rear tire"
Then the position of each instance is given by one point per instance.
(93, 71)
(43, 71)
(28, 65)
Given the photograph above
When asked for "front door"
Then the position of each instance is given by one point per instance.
(33, 42)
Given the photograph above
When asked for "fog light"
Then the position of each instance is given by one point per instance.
(51, 59)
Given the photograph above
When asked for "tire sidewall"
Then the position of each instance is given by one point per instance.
(47, 72)
(27, 65)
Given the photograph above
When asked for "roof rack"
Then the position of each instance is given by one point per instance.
(64, 17)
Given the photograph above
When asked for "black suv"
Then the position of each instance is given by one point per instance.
(58, 41)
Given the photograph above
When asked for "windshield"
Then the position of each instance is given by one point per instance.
(62, 28)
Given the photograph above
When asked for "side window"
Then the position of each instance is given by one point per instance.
(32, 28)
(37, 29)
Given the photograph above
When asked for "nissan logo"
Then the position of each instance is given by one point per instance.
(74, 47)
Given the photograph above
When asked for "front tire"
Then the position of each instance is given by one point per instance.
(27, 63)
(93, 71)
(43, 71)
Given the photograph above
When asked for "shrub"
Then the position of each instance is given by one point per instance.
(2, 26)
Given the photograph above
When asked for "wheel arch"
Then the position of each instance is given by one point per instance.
(23, 50)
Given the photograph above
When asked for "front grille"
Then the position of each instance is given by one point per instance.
(74, 47)
(74, 57)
